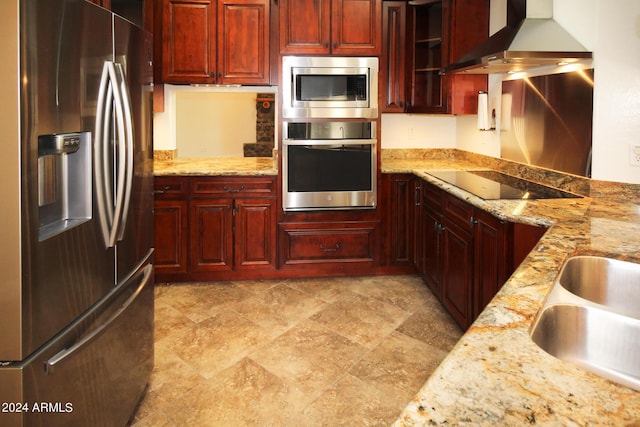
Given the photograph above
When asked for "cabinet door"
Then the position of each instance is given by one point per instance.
(356, 27)
(440, 32)
(468, 27)
(255, 234)
(243, 42)
(430, 247)
(305, 26)
(392, 75)
(171, 236)
(189, 42)
(431, 250)
(428, 53)
(491, 258)
(402, 227)
(457, 273)
(211, 235)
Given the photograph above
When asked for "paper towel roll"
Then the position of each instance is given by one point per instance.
(483, 111)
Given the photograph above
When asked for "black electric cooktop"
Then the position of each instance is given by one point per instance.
(493, 185)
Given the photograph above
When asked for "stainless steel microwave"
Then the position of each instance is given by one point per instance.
(329, 87)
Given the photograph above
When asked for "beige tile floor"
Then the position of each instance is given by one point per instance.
(312, 352)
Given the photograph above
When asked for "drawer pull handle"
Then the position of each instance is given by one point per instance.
(337, 246)
(227, 189)
(165, 189)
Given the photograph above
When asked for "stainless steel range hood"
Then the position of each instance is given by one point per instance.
(526, 42)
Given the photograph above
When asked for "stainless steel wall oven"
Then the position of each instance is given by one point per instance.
(329, 165)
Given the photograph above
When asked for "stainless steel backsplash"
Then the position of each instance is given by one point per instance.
(547, 121)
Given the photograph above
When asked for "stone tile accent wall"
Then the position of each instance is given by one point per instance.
(265, 127)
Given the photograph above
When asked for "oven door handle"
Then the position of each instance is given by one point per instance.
(329, 142)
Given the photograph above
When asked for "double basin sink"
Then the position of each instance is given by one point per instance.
(591, 317)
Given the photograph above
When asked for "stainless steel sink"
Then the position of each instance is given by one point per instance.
(591, 317)
(605, 343)
(606, 281)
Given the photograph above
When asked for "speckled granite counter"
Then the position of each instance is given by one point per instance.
(496, 375)
(241, 166)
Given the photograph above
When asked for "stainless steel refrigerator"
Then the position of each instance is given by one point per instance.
(76, 229)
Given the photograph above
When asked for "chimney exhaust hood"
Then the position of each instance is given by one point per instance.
(531, 38)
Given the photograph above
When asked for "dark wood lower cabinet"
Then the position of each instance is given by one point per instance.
(171, 229)
(255, 234)
(457, 272)
(493, 258)
(333, 245)
(214, 228)
(467, 254)
(431, 239)
(400, 214)
(224, 228)
(211, 235)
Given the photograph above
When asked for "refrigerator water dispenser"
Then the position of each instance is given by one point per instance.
(64, 182)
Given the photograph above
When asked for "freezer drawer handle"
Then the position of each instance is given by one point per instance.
(60, 357)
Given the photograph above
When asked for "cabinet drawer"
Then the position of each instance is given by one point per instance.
(431, 195)
(233, 186)
(170, 187)
(458, 211)
(321, 243)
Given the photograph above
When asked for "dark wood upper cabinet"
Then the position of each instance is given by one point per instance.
(208, 41)
(189, 47)
(243, 42)
(425, 36)
(323, 27)
(393, 75)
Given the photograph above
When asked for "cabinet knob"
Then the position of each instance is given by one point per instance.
(472, 221)
(326, 45)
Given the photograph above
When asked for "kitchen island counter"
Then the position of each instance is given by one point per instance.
(496, 375)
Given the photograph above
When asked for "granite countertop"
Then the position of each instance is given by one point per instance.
(496, 375)
(240, 166)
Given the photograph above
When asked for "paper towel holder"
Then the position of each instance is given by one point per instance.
(485, 121)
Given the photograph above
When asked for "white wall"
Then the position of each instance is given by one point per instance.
(212, 124)
(609, 28)
(617, 90)
(418, 131)
(207, 121)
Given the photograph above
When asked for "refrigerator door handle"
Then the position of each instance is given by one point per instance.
(122, 157)
(128, 142)
(101, 153)
(67, 353)
(113, 97)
